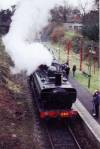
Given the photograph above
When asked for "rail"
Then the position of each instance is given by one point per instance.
(71, 132)
(69, 144)
(50, 139)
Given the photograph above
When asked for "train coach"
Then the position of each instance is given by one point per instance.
(53, 93)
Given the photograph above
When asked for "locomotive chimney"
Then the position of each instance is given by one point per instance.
(58, 79)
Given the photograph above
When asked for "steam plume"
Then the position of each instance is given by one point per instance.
(29, 18)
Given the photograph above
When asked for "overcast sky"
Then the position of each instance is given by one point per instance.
(7, 3)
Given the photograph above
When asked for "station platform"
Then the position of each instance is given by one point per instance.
(92, 124)
(84, 106)
(84, 96)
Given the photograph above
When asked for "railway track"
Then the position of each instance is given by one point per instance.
(67, 135)
(61, 137)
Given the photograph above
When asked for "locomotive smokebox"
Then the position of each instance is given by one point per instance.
(58, 81)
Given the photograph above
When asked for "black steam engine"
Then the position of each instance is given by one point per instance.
(53, 93)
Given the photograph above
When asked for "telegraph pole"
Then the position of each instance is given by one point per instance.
(81, 53)
(90, 63)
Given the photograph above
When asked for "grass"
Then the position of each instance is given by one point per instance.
(94, 81)
(69, 35)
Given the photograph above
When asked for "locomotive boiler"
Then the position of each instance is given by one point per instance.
(53, 93)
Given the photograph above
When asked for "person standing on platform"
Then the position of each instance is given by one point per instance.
(74, 70)
(96, 103)
(67, 64)
(67, 71)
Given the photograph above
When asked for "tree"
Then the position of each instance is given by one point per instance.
(97, 4)
(91, 25)
(83, 6)
(5, 20)
(58, 14)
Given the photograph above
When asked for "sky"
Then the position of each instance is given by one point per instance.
(4, 4)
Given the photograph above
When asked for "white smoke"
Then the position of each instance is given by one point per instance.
(29, 18)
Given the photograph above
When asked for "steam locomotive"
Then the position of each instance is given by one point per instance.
(53, 93)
